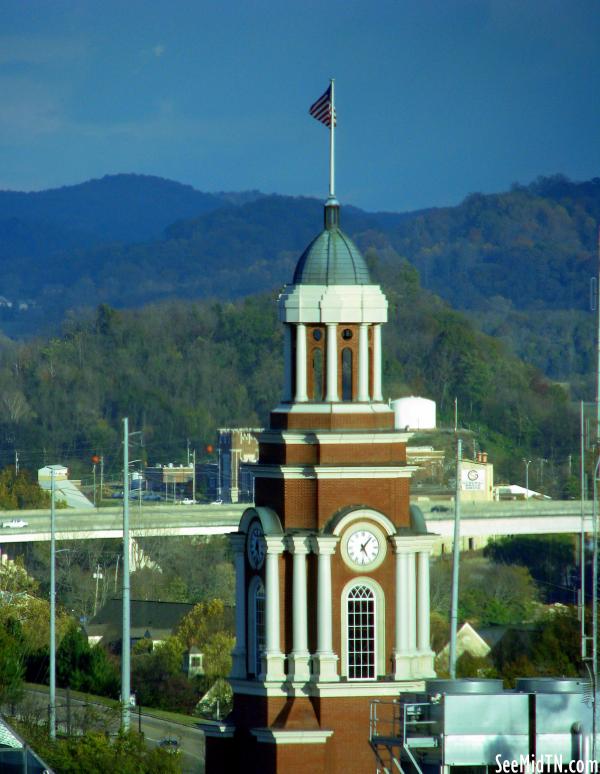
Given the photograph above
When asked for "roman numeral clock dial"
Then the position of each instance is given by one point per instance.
(363, 546)
(256, 547)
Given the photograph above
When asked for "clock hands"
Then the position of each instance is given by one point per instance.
(364, 545)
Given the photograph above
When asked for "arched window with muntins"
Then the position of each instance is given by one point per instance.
(346, 373)
(317, 380)
(256, 625)
(361, 633)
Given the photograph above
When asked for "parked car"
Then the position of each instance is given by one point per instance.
(217, 502)
(15, 524)
(151, 497)
(188, 501)
(440, 509)
(170, 744)
(117, 495)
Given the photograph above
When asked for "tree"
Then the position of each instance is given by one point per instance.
(85, 668)
(488, 593)
(12, 668)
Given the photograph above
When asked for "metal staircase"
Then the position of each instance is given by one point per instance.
(397, 732)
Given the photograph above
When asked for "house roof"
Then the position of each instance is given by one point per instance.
(158, 619)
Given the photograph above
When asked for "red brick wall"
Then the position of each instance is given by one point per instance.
(309, 504)
(367, 421)
(359, 453)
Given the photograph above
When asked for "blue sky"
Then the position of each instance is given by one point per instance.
(435, 99)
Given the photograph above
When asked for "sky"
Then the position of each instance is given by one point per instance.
(435, 99)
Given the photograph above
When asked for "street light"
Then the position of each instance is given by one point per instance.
(52, 707)
(527, 464)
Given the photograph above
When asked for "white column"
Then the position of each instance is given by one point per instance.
(363, 362)
(287, 363)
(301, 394)
(332, 363)
(402, 653)
(272, 664)
(325, 660)
(423, 645)
(299, 658)
(239, 666)
(377, 362)
(411, 602)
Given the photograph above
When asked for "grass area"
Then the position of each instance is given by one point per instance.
(173, 717)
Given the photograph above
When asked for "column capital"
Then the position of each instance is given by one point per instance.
(324, 544)
(297, 544)
(275, 544)
(237, 540)
(413, 544)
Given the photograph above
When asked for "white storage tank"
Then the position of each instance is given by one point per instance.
(414, 413)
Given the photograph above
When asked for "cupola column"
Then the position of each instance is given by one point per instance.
(287, 364)
(299, 670)
(272, 662)
(363, 362)
(325, 660)
(377, 395)
(238, 545)
(332, 361)
(301, 394)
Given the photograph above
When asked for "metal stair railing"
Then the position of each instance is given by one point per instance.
(405, 730)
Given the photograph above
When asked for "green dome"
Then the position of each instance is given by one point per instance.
(332, 258)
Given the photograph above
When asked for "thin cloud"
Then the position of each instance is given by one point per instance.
(158, 50)
(39, 49)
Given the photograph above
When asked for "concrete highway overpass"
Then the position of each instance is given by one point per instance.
(537, 517)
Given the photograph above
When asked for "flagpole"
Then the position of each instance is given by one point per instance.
(332, 144)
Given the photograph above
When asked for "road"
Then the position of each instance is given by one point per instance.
(491, 518)
(148, 521)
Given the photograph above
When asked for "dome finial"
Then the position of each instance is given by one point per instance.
(332, 213)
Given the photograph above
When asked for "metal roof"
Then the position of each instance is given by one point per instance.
(332, 258)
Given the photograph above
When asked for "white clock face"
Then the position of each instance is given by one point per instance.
(256, 546)
(363, 547)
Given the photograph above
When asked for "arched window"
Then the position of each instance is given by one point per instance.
(363, 630)
(256, 625)
(361, 633)
(317, 365)
(346, 373)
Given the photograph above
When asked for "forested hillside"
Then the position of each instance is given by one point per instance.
(518, 262)
(179, 370)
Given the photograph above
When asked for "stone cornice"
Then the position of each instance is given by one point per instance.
(283, 736)
(333, 471)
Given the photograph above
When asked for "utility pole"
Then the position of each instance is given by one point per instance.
(188, 452)
(94, 469)
(455, 564)
(126, 637)
(97, 575)
(52, 707)
(16, 463)
(527, 464)
(101, 476)
(194, 476)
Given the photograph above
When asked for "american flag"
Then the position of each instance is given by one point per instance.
(322, 109)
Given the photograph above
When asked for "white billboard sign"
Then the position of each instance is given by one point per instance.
(472, 479)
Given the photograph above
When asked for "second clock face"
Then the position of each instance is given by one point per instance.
(256, 546)
(363, 547)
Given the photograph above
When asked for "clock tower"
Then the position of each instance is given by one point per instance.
(332, 570)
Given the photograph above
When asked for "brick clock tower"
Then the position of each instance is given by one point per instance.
(332, 574)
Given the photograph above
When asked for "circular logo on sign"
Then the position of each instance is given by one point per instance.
(473, 475)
